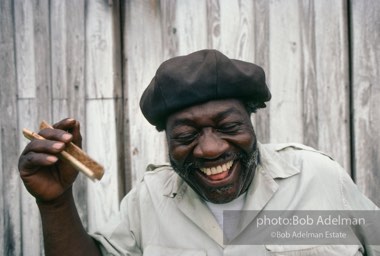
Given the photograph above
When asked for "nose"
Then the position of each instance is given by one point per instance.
(210, 145)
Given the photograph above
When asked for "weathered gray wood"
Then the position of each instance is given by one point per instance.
(236, 29)
(332, 77)
(42, 56)
(261, 42)
(169, 29)
(100, 55)
(33, 53)
(10, 182)
(365, 50)
(68, 65)
(285, 72)
(33, 72)
(75, 71)
(308, 76)
(213, 24)
(32, 243)
(25, 55)
(103, 88)
(142, 55)
(103, 199)
(191, 15)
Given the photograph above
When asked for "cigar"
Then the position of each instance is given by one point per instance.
(73, 155)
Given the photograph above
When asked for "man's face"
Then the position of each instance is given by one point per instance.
(213, 147)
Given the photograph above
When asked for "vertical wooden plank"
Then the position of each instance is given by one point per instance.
(308, 76)
(68, 64)
(191, 24)
(24, 22)
(236, 29)
(103, 199)
(10, 183)
(261, 55)
(103, 92)
(33, 89)
(213, 24)
(31, 226)
(332, 79)
(99, 51)
(169, 30)
(285, 72)
(41, 29)
(142, 56)
(365, 51)
(6, 46)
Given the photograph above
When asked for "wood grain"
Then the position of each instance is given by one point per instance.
(261, 39)
(91, 60)
(100, 68)
(10, 197)
(68, 76)
(103, 90)
(31, 224)
(236, 29)
(332, 78)
(365, 50)
(142, 56)
(103, 197)
(190, 25)
(285, 72)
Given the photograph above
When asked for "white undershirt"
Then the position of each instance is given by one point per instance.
(217, 209)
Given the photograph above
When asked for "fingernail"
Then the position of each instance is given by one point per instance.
(67, 136)
(52, 159)
(58, 145)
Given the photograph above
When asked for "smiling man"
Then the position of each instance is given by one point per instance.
(213, 147)
(203, 101)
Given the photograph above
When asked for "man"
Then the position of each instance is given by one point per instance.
(203, 101)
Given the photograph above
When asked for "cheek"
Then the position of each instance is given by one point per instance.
(245, 141)
(179, 153)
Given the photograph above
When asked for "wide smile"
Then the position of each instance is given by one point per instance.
(217, 172)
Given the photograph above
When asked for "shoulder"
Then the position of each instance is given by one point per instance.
(311, 163)
(159, 182)
(297, 149)
(297, 154)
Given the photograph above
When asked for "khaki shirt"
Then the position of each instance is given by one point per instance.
(162, 215)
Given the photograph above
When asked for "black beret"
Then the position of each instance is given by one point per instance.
(199, 77)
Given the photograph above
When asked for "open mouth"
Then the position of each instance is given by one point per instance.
(217, 172)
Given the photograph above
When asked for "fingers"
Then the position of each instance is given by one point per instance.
(44, 152)
(32, 160)
(56, 135)
(71, 126)
(44, 146)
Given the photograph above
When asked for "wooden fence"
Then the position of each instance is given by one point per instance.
(91, 60)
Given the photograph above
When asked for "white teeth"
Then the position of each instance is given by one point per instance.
(217, 169)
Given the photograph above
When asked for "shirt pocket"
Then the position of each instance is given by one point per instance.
(156, 250)
(313, 250)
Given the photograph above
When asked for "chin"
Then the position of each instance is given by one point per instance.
(221, 195)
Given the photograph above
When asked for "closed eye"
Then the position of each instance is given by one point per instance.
(229, 128)
(185, 138)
